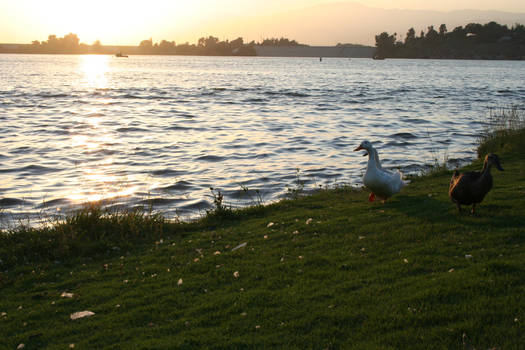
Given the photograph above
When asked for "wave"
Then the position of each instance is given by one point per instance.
(255, 100)
(286, 93)
(11, 202)
(131, 129)
(179, 186)
(53, 203)
(404, 135)
(196, 205)
(167, 172)
(326, 107)
(416, 120)
(32, 170)
(397, 143)
(210, 158)
(184, 128)
(51, 95)
(159, 201)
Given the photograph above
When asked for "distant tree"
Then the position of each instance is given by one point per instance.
(166, 47)
(237, 43)
(210, 45)
(410, 37)
(52, 42)
(473, 28)
(97, 46)
(146, 46)
(458, 33)
(442, 30)
(519, 29)
(489, 41)
(69, 42)
(279, 42)
(385, 44)
(431, 35)
(209, 42)
(492, 32)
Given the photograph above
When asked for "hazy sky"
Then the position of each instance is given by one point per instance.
(127, 22)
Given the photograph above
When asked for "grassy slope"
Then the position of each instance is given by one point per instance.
(410, 274)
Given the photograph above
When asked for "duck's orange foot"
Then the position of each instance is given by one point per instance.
(372, 197)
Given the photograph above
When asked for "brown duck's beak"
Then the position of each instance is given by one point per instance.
(497, 164)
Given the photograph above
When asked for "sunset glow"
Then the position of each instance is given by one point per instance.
(121, 22)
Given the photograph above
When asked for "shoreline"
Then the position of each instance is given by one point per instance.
(343, 51)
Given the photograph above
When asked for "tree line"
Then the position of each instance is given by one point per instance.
(474, 41)
(70, 44)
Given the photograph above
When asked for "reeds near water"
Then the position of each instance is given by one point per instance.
(89, 231)
(504, 131)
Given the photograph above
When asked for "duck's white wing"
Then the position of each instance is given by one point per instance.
(384, 183)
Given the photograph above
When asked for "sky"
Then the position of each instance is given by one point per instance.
(127, 22)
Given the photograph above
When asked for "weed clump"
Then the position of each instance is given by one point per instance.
(504, 131)
(89, 231)
(220, 211)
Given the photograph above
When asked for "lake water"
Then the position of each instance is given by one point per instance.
(163, 130)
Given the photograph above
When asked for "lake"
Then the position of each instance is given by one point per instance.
(160, 131)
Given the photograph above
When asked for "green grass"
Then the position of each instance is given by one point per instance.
(332, 272)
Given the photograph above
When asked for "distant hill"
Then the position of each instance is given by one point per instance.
(349, 22)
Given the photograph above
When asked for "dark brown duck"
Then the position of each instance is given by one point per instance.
(471, 187)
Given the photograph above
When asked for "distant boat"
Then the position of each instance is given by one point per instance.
(378, 57)
(119, 54)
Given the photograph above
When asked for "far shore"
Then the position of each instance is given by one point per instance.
(344, 51)
(338, 51)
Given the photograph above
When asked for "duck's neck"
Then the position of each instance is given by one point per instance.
(372, 158)
(486, 168)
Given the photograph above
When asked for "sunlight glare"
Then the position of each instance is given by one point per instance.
(84, 142)
(101, 185)
(83, 197)
(94, 69)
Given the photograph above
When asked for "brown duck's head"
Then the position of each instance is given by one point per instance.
(493, 159)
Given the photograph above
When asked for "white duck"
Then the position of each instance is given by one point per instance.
(383, 183)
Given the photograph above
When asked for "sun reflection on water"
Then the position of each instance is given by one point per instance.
(85, 197)
(94, 69)
(98, 183)
(97, 179)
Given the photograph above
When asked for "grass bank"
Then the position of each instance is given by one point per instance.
(326, 271)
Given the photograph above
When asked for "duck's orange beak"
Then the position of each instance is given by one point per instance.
(360, 148)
